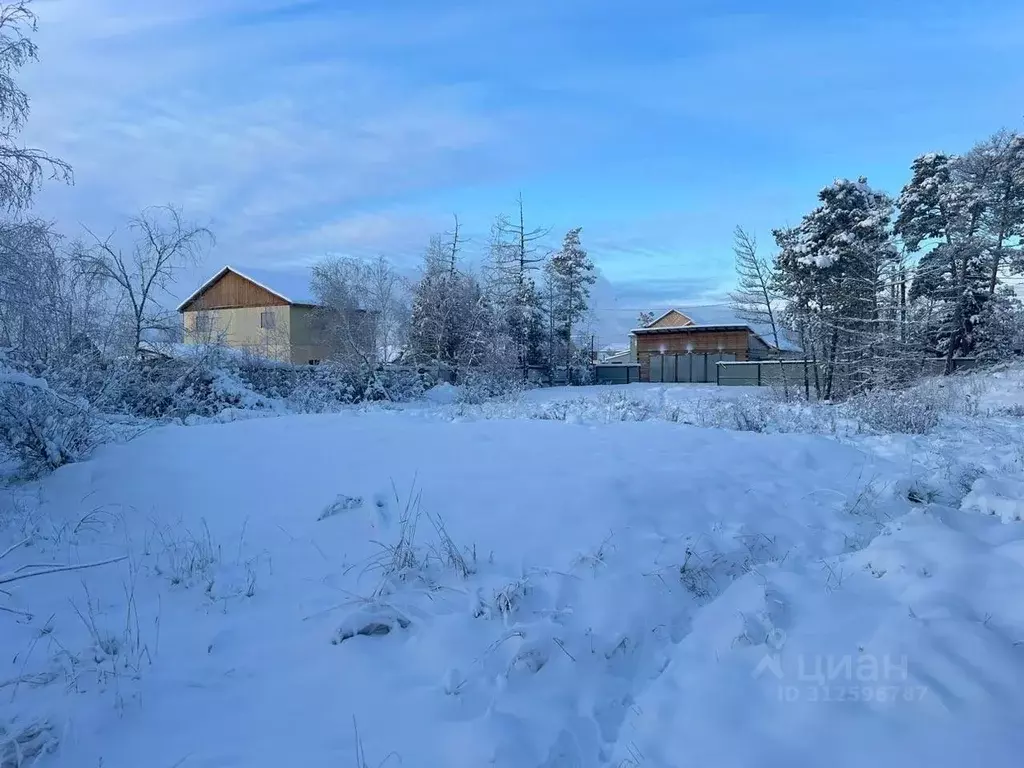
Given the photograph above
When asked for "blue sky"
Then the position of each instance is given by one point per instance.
(297, 128)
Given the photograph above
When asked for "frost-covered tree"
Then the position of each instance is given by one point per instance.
(364, 309)
(46, 307)
(162, 243)
(965, 216)
(923, 203)
(755, 299)
(934, 216)
(1002, 158)
(37, 291)
(834, 268)
(570, 274)
(434, 332)
(22, 169)
(517, 306)
(447, 309)
(999, 327)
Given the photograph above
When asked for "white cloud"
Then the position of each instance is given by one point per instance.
(295, 128)
(267, 131)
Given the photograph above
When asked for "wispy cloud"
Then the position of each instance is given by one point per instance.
(299, 127)
(244, 120)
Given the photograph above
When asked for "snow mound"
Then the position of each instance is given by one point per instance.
(554, 581)
(442, 394)
(1002, 497)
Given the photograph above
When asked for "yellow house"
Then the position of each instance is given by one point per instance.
(241, 312)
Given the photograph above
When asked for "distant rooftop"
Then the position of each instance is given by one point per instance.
(723, 315)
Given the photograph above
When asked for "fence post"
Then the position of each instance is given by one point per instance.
(718, 373)
(758, 364)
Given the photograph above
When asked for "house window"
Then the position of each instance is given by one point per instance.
(314, 362)
(204, 322)
(268, 319)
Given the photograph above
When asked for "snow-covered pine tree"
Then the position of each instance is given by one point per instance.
(999, 327)
(571, 274)
(517, 306)
(1002, 158)
(965, 215)
(834, 268)
(450, 319)
(922, 204)
(432, 333)
(435, 303)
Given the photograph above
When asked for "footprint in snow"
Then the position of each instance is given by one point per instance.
(383, 509)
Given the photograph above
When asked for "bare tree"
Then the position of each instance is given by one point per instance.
(754, 298)
(387, 296)
(645, 318)
(163, 244)
(45, 307)
(454, 241)
(364, 309)
(22, 169)
(28, 274)
(515, 256)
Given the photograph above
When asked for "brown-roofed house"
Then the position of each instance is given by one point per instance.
(236, 310)
(712, 330)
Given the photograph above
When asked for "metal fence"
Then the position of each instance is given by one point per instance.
(761, 373)
(617, 373)
(690, 368)
(769, 373)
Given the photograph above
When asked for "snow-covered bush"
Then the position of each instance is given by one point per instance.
(748, 414)
(911, 411)
(41, 427)
(324, 388)
(479, 386)
(1014, 411)
(405, 383)
(172, 389)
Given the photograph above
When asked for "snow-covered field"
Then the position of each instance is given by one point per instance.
(539, 583)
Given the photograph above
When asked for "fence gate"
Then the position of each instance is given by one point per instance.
(690, 368)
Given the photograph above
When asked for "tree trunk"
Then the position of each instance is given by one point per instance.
(568, 343)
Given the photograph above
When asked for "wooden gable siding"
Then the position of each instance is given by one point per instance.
(673, 319)
(731, 342)
(712, 342)
(232, 291)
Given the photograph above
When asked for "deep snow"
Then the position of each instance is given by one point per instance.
(638, 593)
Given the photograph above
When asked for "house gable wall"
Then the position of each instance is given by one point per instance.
(232, 291)
(672, 319)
